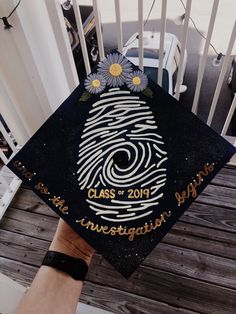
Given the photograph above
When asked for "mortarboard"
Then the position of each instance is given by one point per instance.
(120, 161)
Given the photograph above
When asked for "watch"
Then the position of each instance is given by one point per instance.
(77, 268)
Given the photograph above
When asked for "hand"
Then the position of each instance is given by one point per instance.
(67, 241)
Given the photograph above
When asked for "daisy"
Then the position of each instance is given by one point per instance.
(115, 68)
(137, 81)
(95, 83)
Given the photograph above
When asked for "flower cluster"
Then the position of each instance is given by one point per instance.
(115, 71)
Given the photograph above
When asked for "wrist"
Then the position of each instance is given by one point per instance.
(68, 248)
(76, 268)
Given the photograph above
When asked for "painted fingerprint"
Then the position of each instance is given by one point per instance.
(121, 148)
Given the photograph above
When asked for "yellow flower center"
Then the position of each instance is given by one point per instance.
(96, 83)
(136, 80)
(115, 69)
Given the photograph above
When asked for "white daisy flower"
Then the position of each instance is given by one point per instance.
(115, 69)
(137, 81)
(95, 83)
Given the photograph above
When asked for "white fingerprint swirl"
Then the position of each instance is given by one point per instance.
(120, 124)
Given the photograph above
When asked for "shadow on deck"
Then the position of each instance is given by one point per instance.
(193, 270)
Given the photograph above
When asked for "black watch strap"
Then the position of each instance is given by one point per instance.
(75, 267)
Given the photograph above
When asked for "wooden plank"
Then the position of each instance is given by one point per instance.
(193, 264)
(198, 213)
(27, 200)
(226, 177)
(20, 272)
(182, 234)
(22, 248)
(97, 295)
(218, 196)
(204, 232)
(31, 224)
(211, 216)
(202, 239)
(166, 257)
(169, 288)
(9, 268)
(120, 302)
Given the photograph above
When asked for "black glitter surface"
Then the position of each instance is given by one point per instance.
(52, 154)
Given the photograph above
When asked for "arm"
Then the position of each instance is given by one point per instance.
(53, 291)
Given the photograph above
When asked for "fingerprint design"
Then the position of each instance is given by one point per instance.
(122, 149)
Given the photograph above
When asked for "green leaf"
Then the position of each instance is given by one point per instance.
(85, 96)
(148, 92)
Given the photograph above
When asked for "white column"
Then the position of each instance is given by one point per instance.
(140, 33)
(229, 116)
(58, 24)
(81, 36)
(203, 61)
(162, 38)
(118, 26)
(41, 39)
(11, 116)
(223, 71)
(32, 73)
(98, 30)
(183, 47)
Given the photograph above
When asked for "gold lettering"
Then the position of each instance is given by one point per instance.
(191, 190)
(91, 193)
(56, 200)
(113, 230)
(122, 231)
(112, 193)
(22, 169)
(41, 187)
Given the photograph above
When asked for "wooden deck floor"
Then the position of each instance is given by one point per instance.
(193, 270)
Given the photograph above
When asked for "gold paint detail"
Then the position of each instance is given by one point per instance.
(58, 202)
(42, 188)
(115, 69)
(191, 189)
(96, 83)
(112, 193)
(55, 200)
(136, 80)
(123, 231)
(23, 170)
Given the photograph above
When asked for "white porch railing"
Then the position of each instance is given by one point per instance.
(9, 183)
(38, 72)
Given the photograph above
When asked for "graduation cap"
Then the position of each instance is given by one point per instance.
(120, 161)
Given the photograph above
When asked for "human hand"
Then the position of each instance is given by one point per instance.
(67, 241)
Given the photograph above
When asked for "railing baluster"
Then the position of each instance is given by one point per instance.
(59, 29)
(202, 64)
(3, 157)
(222, 75)
(119, 26)
(98, 30)
(140, 33)
(162, 38)
(9, 193)
(81, 36)
(7, 137)
(229, 116)
(183, 47)
(14, 120)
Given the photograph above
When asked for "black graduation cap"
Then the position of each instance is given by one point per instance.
(120, 161)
